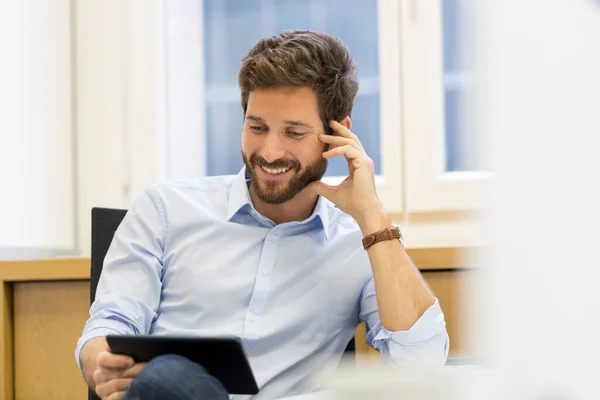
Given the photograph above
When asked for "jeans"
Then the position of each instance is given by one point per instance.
(171, 377)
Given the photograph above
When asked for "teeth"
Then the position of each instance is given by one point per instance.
(275, 171)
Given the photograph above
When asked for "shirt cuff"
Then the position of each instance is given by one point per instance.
(430, 324)
(96, 329)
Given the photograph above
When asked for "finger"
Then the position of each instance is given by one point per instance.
(106, 389)
(114, 361)
(133, 371)
(339, 141)
(102, 375)
(341, 130)
(350, 152)
(116, 396)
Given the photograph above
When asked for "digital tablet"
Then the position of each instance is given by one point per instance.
(222, 357)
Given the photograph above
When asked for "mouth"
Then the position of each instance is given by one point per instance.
(275, 173)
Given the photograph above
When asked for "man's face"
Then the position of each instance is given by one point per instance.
(280, 144)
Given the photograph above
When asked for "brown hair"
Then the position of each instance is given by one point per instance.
(303, 59)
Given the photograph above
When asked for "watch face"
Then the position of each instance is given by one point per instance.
(401, 236)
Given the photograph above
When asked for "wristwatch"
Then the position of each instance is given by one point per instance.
(384, 234)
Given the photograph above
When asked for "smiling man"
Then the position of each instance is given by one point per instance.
(271, 255)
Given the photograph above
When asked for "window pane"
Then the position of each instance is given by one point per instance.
(462, 141)
(223, 138)
(461, 138)
(232, 27)
(290, 14)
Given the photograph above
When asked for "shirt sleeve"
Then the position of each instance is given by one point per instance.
(425, 344)
(128, 292)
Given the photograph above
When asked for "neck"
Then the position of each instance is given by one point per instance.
(297, 209)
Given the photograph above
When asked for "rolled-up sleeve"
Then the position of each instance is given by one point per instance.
(425, 344)
(128, 292)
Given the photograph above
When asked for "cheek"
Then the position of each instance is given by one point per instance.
(317, 147)
(311, 150)
(311, 144)
(248, 143)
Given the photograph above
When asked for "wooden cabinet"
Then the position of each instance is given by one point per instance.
(44, 305)
(48, 320)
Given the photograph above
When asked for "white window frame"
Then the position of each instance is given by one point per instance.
(390, 184)
(429, 187)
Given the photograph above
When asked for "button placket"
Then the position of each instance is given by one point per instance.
(261, 289)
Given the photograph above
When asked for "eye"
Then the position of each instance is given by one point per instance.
(295, 134)
(258, 129)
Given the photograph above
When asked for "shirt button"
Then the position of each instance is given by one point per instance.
(265, 272)
(253, 319)
(275, 232)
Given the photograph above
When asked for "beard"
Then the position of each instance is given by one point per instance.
(276, 191)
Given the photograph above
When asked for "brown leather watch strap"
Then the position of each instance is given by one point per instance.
(379, 236)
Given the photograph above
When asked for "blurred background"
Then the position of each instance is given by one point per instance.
(482, 118)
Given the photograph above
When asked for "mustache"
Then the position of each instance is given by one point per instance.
(255, 160)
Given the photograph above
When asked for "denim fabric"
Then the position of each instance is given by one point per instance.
(171, 377)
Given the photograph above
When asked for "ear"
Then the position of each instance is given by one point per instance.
(347, 122)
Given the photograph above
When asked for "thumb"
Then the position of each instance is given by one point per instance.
(323, 189)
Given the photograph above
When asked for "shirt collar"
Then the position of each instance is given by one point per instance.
(322, 212)
(239, 200)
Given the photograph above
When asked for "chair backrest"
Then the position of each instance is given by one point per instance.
(105, 222)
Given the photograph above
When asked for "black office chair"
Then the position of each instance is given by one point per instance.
(105, 222)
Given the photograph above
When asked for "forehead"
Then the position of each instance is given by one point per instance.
(283, 103)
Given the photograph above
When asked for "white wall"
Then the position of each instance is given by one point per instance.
(100, 81)
(36, 151)
(186, 148)
(147, 119)
(119, 104)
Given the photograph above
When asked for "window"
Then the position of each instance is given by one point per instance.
(462, 141)
(442, 147)
(415, 88)
(232, 27)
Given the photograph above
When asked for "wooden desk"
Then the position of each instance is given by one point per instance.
(45, 303)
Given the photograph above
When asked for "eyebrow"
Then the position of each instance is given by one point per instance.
(287, 122)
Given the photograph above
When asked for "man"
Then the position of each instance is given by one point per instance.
(271, 255)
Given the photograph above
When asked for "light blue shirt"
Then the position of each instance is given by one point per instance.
(195, 258)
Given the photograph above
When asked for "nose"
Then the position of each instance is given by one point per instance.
(273, 148)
